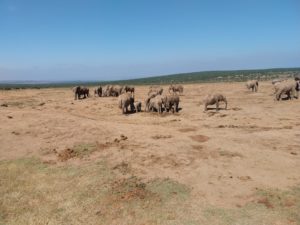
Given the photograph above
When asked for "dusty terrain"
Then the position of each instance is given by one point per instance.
(83, 162)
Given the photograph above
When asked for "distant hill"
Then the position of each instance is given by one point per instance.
(194, 77)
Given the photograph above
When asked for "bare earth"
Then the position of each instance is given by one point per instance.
(224, 158)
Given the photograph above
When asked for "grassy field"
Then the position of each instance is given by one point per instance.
(35, 193)
(195, 77)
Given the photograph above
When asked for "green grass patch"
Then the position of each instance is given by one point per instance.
(34, 193)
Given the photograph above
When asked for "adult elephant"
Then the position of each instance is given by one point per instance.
(125, 100)
(81, 91)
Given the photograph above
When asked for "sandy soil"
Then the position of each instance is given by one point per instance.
(223, 156)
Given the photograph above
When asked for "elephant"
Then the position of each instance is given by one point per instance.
(116, 90)
(138, 106)
(155, 90)
(125, 100)
(288, 88)
(275, 81)
(147, 101)
(214, 99)
(171, 102)
(106, 91)
(112, 90)
(176, 88)
(98, 91)
(155, 104)
(252, 84)
(129, 89)
(79, 91)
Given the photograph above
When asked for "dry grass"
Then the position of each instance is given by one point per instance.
(34, 193)
(92, 165)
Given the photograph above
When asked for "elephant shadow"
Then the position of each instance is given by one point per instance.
(214, 108)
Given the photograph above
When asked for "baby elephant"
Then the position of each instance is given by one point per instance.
(214, 99)
(252, 84)
(138, 106)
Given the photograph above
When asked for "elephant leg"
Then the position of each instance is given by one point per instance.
(289, 94)
(278, 96)
(217, 105)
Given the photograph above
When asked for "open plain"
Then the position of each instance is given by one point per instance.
(66, 161)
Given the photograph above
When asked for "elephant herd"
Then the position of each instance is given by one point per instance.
(282, 87)
(155, 101)
(105, 91)
(158, 101)
(112, 90)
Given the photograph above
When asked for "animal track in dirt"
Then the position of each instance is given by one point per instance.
(212, 113)
(244, 178)
(199, 138)
(230, 154)
(162, 136)
(185, 130)
(236, 108)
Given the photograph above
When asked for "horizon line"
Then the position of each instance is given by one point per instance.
(30, 81)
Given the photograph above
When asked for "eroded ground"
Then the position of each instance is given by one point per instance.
(76, 162)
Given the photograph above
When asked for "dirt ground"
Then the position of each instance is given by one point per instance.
(223, 157)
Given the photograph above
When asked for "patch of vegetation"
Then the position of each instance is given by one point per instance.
(80, 150)
(169, 189)
(194, 77)
(269, 207)
(34, 193)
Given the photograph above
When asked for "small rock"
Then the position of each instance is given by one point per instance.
(294, 153)
(4, 105)
(9, 117)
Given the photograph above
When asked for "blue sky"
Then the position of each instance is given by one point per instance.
(104, 40)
